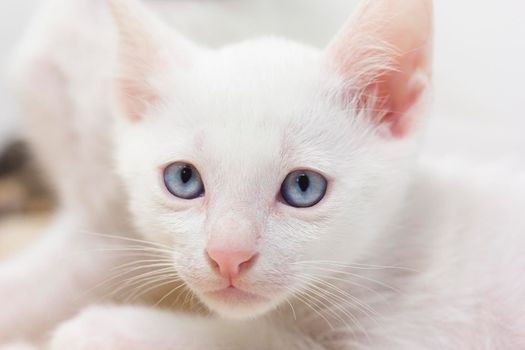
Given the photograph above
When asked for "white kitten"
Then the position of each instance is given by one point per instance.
(263, 174)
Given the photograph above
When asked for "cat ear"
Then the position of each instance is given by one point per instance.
(385, 56)
(147, 51)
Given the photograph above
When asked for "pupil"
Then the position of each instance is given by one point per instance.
(186, 174)
(304, 182)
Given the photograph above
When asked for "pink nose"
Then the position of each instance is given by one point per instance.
(230, 263)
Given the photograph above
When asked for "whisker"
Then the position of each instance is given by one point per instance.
(323, 300)
(353, 283)
(153, 285)
(169, 293)
(119, 274)
(357, 266)
(297, 295)
(348, 313)
(130, 269)
(133, 281)
(149, 273)
(129, 239)
(144, 249)
(168, 262)
(359, 276)
(366, 309)
(293, 310)
(187, 297)
(176, 301)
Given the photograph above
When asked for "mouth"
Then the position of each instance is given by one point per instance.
(232, 301)
(234, 295)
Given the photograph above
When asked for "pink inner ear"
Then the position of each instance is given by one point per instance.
(135, 97)
(140, 56)
(385, 55)
(401, 91)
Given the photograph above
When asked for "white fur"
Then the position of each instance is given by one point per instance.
(408, 254)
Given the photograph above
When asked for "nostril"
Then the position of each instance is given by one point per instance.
(248, 263)
(213, 264)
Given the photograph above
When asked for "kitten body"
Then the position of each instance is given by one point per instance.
(402, 253)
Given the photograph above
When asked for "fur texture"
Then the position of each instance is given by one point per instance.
(402, 253)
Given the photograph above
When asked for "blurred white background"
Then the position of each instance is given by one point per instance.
(479, 65)
(14, 17)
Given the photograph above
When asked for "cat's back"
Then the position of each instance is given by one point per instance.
(477, 210)
(61, 74)
(467, 243)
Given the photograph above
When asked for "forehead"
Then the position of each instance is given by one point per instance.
(255, 82)
(250, 102)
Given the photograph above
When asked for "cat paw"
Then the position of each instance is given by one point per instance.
(121, 328)
(18, 346)
(94, 328)
(11, 314)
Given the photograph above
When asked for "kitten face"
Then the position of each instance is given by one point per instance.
(245, 131)
(245, 117)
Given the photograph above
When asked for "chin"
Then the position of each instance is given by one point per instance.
(233, 303)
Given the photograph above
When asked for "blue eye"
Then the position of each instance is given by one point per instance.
(183, 181)
(303, 188)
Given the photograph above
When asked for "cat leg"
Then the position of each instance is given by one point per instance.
(52, 280)
(135, 328)
(18, 346)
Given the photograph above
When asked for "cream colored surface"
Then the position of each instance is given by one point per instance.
(22, 217)
(17, 231)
